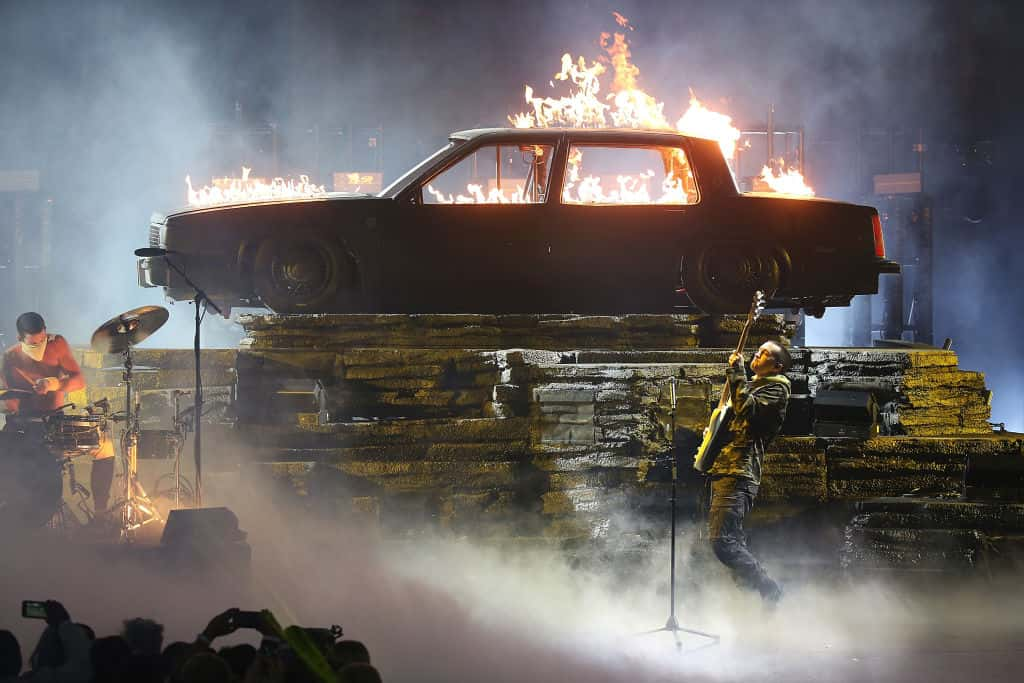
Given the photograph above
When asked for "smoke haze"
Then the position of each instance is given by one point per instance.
(436, 607)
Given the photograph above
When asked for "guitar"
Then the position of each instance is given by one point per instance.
(718, 426)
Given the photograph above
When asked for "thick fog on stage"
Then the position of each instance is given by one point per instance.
(115, 102)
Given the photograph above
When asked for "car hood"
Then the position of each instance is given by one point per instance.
(228, 206)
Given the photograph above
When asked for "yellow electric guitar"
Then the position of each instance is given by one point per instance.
(717, 432)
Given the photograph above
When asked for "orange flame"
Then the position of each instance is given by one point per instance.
(785, 181)
(626, 73)
(246, 189)
(581, 109)
(476, 195)
(701, 122)
(628, 106)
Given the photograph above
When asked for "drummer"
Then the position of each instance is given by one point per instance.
(43, 364)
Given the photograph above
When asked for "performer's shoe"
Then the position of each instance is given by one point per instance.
(102, 525)
(771, 593)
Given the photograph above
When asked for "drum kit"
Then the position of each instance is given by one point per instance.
(33, 500)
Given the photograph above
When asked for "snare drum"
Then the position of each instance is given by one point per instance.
(72, 434)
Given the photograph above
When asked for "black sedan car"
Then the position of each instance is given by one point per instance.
(530, 221)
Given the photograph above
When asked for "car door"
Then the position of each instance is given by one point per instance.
(475, 238)
(620, 227)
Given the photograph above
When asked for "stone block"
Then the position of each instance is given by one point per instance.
(582, 417)
(560, 432)
(556, 394)
(432, 475)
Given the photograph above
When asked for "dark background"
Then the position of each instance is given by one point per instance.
(114, 102)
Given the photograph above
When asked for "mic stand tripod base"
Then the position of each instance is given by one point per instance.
(672, 626)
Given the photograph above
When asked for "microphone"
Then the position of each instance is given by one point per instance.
(154, 251)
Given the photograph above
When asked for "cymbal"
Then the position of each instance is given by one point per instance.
(10, 394)
(128, 329)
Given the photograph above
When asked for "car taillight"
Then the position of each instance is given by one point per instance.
(876, 225)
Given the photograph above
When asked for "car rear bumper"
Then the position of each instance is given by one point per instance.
(886, 266)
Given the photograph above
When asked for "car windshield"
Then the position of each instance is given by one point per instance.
(511, 173)
(414, 172)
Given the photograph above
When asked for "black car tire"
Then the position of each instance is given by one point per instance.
(301, 275)
(723, 278)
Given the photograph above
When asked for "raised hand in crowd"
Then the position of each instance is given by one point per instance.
(62, 653)
(221, 625)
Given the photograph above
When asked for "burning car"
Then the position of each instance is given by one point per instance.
(530, 220)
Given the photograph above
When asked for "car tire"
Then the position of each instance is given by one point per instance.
(815, 310)
(723, 278)
(301, 275)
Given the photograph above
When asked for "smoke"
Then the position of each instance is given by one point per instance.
(433, 606)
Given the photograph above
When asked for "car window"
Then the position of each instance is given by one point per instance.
(605, 174)
(493, 174)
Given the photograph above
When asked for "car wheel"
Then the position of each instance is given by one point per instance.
(301, 276)
(815, 310)
(722, 279)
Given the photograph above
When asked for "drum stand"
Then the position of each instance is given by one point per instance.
(182, 430)
(137, 509)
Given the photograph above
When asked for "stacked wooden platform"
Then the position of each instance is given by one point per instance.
(564, 433)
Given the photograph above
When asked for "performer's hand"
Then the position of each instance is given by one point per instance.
(736, 360)
(45, 385)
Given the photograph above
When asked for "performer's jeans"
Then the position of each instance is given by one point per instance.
(732, 498)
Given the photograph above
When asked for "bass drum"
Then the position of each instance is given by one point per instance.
(30, 481)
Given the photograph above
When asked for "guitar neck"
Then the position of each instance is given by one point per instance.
(744, 334)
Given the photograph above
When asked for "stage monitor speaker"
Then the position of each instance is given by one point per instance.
(203, 526)
(204, 539)
(841, 413)
(799, 411)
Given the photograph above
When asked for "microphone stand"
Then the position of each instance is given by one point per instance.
(200, 299)
(672, 624)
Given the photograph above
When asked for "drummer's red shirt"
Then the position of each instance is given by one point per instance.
(21, 372)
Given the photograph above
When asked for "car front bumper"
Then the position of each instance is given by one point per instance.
(153, 271)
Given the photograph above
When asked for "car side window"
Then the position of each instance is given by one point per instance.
(628, 175)
(493, 174)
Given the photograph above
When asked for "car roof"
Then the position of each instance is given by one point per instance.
(551, 135)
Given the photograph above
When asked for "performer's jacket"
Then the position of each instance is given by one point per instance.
(21, 372)
(759, 408)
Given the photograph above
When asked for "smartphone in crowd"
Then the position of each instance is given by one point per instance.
(33, 609)
(245, 619)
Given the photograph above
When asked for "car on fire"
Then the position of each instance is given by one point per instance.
(599, 221)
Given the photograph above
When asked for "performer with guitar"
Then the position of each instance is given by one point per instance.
(748, 417)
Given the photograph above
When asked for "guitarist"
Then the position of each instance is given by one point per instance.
(759, 409)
